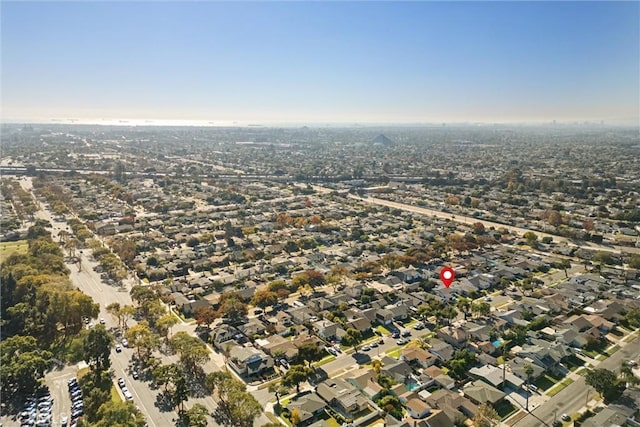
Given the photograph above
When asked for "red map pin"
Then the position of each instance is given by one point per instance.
(447, 274)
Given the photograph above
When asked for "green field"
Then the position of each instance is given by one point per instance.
(8, 248)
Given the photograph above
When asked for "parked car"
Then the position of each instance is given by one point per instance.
(118, 348)
(63, 420)
(121, 382)
(135, 374)
(125, 342)
(565, 417)
(366, 348)
(406, 333)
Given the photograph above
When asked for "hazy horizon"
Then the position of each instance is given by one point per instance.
(226, 64)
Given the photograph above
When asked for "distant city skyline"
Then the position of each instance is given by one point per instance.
(223, 63)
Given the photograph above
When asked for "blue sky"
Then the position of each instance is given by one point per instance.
(322, 61)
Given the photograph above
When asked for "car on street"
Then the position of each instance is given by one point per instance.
(366, 348)
(135, 375)
(102, 322)
(125, 342)
(118, 348)
(381, 341)
(121, 382)
(565, 417)
(402, 341)
(396, 334)
(63, 420)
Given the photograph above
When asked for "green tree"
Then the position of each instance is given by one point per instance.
(192, 350)
(236, 407)
(118, 413)
(97, 349)
(164, 325)
(311, 352)
(196, 416)
(141, 337)
(627, 375)
(141, 294)
(352, 337)
(528, 370)
(22, 364)
(279, 389)
(605, 382)
(296, 375)
(531, 238)
(232, 307)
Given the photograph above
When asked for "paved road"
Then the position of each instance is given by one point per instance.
(574, 397)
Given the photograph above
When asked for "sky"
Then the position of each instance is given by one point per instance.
(321, 62)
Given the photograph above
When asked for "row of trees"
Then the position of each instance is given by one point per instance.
(40, 311)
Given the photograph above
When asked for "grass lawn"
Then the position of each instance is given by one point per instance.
(325, 360)
(383, 330)
(8, 248)
(545, 382)
(115, 397)
(591, 353)
(555, 390)
(582, 371)
(573, 362)
(505, 409)
(613, 349)
(394, 351)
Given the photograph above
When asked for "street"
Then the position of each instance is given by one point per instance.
(575, 395)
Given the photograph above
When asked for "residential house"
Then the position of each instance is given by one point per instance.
(309, 407)
(441, 350)
(455, 336)
(249, 361)
(342, 396)
(479, 392)
(456, 407)
(417, 408)
(419, 357)
(439, 377)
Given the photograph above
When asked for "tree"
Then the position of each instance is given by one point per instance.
(22, 364)
(311, 352)
(531, 238)
(196, 416)
(164, 325)
(564, 264)
(264, 298)
(528, 370)
(192, 350)
(295, 375)
(605, 382)
(279, 389)
(141, 336)
(205, 316)
(118, 413)
(478, 228)
(232, 307)
(141, 294)
(352, 337)
(114, 310)
(464, 304)
(554, 219)
(97, 349)
(485, 416)
(236, 407)
(627, 375)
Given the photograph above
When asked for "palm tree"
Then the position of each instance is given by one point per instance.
(626, 372)
(528, 370)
